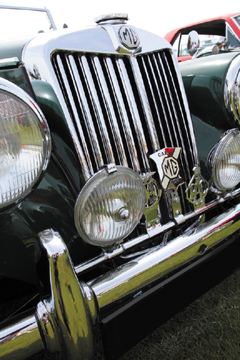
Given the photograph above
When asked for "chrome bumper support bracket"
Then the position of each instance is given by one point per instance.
(66, 319)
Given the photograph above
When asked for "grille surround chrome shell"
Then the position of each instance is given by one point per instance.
(57, 59)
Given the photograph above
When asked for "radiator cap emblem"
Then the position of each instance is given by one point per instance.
(128, 37)
(168, 167)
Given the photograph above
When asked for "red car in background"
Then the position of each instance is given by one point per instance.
(212, 31)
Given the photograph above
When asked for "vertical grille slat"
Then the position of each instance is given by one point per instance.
(180, 117)
(189, 145)
(129, 139)
(86, 114)
(169, 101)
(151, 81)
(109, 109)
(134, 113)
(174, 115)
(82, 152)
(147, 110)
(96, 106)
(162, 97)
(125, 108)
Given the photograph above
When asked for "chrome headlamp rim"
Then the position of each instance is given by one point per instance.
(107, 178)
(215, 157)
(232, 92)
(16, 92)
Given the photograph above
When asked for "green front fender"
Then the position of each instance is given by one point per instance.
(204, 81)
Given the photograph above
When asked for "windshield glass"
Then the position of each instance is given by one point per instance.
(17, 23)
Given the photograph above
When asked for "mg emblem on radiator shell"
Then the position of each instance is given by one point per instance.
(128, 37)
(168, 167)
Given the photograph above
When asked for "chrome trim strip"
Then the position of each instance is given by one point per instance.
(128, 279)
(186, 107)
(110, 111)
(172, 94)
(75, 112)
(134, 113)
(86, 165)
(154, 96)
(96, 106)
(86, 115)
(154, 232)
(183, 120)
(173, 115)
(145, 104)
(168, 96)
(159, 94)
(12, 338)
(123, 115)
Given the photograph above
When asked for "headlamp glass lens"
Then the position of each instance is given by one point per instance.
(110, 206)
(226, 161)
(22, 148)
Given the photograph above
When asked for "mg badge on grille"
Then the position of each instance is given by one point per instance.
(128, 37)
(168, 167)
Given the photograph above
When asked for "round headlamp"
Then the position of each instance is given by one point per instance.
(232, 89)
(24, 143)
(110, 206)
(224, 161)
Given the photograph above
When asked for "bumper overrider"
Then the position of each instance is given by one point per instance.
(64, 322)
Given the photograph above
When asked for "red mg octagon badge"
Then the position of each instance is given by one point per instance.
(168, 167)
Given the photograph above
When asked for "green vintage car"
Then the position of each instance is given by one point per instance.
(119, 183)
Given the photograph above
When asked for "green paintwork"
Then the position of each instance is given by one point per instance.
(51, 203)
(13, 48)
(14, 75)
(206, 137)
(204, 81)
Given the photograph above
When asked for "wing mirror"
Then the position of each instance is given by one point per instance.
(193, 42)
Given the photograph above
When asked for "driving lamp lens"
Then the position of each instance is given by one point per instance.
(24, 145)
(110, 206)
(225, 161)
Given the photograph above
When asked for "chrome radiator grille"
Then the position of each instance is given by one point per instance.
(125, 108)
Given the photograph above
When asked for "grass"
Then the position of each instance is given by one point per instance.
(207, 329)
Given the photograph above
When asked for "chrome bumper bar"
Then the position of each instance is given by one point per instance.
(66, 320)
